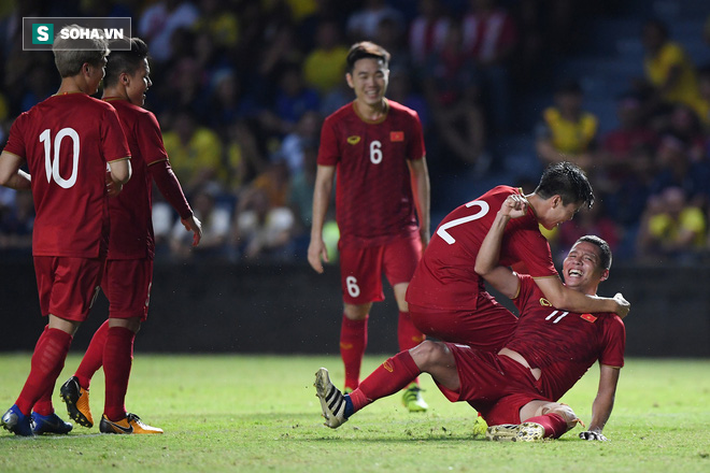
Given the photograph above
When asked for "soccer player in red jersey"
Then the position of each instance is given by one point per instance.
(128, 273)
(66, 141)
(376, 147)
(516, 389)
(448, 300)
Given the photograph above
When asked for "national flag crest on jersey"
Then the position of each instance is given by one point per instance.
(396, 136)
(589, 318)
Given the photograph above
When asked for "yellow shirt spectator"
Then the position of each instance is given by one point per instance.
(571, 137)
(667, 229)
(198, 160)
(658, 68)
(325, 69)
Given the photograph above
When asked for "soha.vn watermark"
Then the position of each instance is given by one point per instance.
(40, 33)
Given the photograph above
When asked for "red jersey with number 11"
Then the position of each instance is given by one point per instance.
(563, 344)
(67, 141)
(374, 201)
(445, 278)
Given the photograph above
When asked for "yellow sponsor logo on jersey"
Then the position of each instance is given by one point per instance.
(388, 366)
(545, 303)
(353, 140)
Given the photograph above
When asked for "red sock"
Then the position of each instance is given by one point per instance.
(353, 340)
(93, 358)
(407, 334)
(47, 362)
(44, 406)
(554, 424)
(118, 356)
(391, 376)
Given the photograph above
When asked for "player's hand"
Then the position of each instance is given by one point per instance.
(112, 188)
(514, 206)
(624, 305)
(317, 253)
(193, 224)
(591, 435)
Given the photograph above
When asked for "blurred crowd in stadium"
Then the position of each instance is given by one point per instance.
(242, 86)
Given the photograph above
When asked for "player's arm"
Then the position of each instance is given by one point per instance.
(169, 185)
(603, 403)
(317, 252)
(10, 173)
(421, 190)
(120, 170)
(562, 297)
(500, 277)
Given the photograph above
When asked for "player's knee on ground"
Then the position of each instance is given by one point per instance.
(562, 410)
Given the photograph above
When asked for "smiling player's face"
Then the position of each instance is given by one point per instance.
(369, 81)
(139, 83)
(582, 269)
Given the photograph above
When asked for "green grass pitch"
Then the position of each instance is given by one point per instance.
(260, 413)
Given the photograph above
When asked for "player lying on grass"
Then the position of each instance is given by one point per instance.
(516, 390)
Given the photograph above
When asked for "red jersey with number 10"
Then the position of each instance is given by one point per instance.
(67, 141)
(445, 278)
(563, 344)
(131, 210)
(374, 201)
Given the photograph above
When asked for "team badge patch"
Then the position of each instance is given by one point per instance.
(545, 303)
(353, 140)
(589, 318)
(396, 136)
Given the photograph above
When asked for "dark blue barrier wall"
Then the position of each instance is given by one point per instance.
(291, 309)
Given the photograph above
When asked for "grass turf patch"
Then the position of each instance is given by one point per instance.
(260, 413)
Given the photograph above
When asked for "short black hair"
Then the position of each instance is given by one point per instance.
(568, 181)
(604, 249)
(125, 61)
(366, 49)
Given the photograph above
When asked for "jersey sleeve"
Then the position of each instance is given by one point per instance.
(150, 139)
(614, 342)
(328, 153)
(416, 144)
(525, 291)
(533, 250)
(16, 141)
(113, 140)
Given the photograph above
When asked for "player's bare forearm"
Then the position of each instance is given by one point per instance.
(317, 252)
(422, 191)
(487, 260)
(604, 401)
(10, 173)
(20, 181)
(121, 170)
(565, 298)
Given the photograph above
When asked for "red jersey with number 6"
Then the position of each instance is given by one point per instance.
(67, 141)
(445, 278)
(131, 210)
(563, 344)
(374, 202)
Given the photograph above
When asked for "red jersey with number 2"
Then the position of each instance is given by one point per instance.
(445, 278)
(374, 202)
(67, 141)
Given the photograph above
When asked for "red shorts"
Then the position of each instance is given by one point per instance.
(488, 328)
(67, 286)
(496, 386)
(361, 269)
(127, 284)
